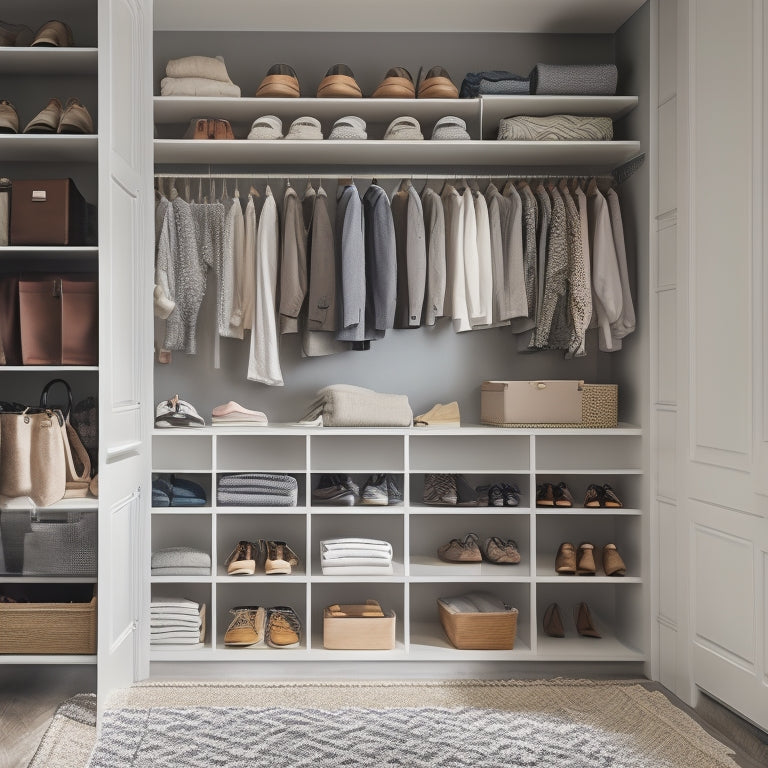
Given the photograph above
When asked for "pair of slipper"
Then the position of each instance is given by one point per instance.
(177, 413)
(270, 128)
(177, 492)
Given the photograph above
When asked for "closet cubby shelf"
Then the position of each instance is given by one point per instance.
(49, 61)
(607, 648)
(62, 659)
(584, 157)
(414, 529)
(44, 148)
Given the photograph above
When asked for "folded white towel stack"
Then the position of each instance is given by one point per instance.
(175, 621)
(197, 76)
(355, 557)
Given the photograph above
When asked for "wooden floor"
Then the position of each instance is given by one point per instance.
(28, 698)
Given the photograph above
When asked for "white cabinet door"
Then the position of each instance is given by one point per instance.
(723, 441)
(125, 239)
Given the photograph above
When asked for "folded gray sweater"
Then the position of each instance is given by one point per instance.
(180, 557)
(344, 405)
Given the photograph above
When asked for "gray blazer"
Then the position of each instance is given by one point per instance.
(380, 263)
(350, 265)
(411, 256)
(293, 267)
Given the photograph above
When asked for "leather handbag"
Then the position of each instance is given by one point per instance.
(10, 332)
(59, 321)
(48, 212)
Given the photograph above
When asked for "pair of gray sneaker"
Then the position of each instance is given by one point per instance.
(381, 490)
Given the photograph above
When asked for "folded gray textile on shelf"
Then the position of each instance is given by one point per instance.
(197, 86)
(176, 641)
(493, 83)
(160, 605)
(180, 557)
(574, 79)
(182, 570)
(344, 405)
(474, 602)
(555, 128)
(172, 622)
(257, 489)
(275, 483)
(227, 499)
(342, 562)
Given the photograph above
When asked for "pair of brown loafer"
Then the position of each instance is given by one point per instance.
(398, 84)
(470, 550)
(553, 621)
(581, 562)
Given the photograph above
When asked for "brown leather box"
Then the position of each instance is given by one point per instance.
(47, 212)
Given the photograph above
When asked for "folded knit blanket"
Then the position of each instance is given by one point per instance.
(180, 557)
(228, 499)
(342, 554)
(182, 570)
(175, 623)
(174, 605)
(495, 82)
(344, 405)
(555, 128)
(198, 66)
(259, 480)
(342, 562)
(197, 86)
(574, 79)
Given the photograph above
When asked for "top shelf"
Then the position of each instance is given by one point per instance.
(528, 16)
(49, 61)
(182, 109)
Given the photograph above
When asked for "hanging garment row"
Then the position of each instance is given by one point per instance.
(544, 258)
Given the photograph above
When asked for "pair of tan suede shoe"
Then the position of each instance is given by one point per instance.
(581, 562)
(53, 118)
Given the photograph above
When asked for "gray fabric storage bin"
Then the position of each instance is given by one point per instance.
(49, 543)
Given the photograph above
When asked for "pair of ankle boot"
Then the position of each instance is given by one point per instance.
(581, 562)
(582, 617)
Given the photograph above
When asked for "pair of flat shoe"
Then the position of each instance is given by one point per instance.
(550, 495)
(177, 492)
(398, 84)
(602, 496)
(177, 413)
(52, 34)
(470, 550)
(53, 118)
(282, 82)
(233, 413)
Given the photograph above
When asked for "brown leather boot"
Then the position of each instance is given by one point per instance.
(613, 565)
(553, 622)
(585, 560)
(583, 619)
(565, 562)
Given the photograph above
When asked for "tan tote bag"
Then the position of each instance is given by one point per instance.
(33, 456)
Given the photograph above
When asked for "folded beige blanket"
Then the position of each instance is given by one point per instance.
(197, 86)
(344, 405)
(198, 66)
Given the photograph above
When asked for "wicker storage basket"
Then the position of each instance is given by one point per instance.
(480, 631)
(48, 627)
(599, 410)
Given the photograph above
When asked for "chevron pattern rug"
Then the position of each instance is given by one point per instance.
(461, 724)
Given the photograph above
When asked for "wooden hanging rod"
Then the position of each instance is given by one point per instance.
(425, 176)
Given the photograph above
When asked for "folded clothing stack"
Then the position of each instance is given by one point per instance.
(172, 491)
(493, 83)
(197, 76)
(344, 405)
(233, 414)
(356, 557)
(181, 561)
(555, 128)
(574, 79)
(176, 621)
(474, 602)
(257, 489)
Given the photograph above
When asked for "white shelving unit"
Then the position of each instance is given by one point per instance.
(414, 529)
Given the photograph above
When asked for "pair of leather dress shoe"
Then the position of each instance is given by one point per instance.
(581, 562)
(339, 82)
(582, 617)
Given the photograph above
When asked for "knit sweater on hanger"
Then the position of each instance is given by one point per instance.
(530, 218)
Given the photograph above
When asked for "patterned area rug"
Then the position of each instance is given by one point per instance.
(70, 737)
(461, 724)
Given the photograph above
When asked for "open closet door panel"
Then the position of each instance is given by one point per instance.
(125, 237)
(723, 444)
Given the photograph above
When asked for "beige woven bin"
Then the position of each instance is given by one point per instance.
(480, 631)
(49, 628)
(599, 410)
